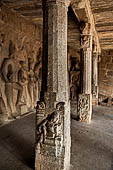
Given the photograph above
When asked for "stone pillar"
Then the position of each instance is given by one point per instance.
(95, 76)
(52, 151)
(85, 98)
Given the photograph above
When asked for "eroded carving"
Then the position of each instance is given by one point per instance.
(9, 71)
(23, 80)
(85, 36)
(31, 82)
(85, 41)
(50, 127)
(2, 37)
(74, 77)
(15, 49)
(18, 77)
(40, 105)
(74, 85)
(38, 75)
(85, 28)
(94, 90)
(84, 107)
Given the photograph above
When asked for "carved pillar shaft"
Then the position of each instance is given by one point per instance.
(57, 50)
(87, 69)
(85, 98)
(95, 79)
(53, 112)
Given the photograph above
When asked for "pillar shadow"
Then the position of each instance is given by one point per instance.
(74, 117)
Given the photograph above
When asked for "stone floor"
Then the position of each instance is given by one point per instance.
(92, 144)
(17, 144)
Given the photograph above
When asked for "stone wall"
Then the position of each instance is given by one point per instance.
(106, 75)
(20, 65)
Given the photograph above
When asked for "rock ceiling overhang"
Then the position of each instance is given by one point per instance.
(30, 9)
(103, 14)
(102, 10)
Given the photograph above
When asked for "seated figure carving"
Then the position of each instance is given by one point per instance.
(48, 127)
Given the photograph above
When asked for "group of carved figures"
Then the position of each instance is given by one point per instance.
(21, 82)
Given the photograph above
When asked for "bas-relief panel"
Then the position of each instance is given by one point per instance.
(50, 146)
(20, 73)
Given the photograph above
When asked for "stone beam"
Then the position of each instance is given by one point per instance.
(82, 10)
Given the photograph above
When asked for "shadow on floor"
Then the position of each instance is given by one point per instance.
(18, 143)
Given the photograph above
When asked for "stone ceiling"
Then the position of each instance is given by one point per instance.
(103, 14)
(102, 10)
(31, 9)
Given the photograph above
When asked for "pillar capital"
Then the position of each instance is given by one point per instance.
(86, 36)
(64, 2)
(85, 28)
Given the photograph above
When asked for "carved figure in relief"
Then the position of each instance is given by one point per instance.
(21, 51)
(74, 85)
(23, 80)
(2, 36)
(38, 75)
(74, 77)
(40, 105)
(85, 41)
(83, 107)
(8, 70)
(48, 128)
(52, 123)
(38, 81)
(31, 82)
(94, 90)
(22, 73)
(75, 64)
(95, 48)
(41, 132)
(85, 28)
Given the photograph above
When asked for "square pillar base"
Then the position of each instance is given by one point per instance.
(53, 142)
